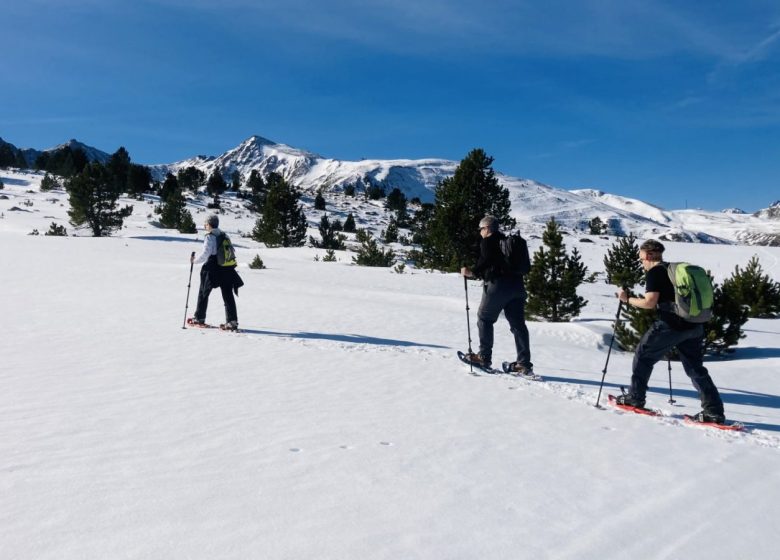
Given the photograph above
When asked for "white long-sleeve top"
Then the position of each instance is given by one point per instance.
(209, 246)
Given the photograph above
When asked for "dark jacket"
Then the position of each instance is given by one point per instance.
(490, 265)
(218, 276)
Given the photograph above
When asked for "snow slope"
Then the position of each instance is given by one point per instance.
(339, 424)
(762, 228)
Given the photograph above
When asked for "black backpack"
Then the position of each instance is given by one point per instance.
(515, 251)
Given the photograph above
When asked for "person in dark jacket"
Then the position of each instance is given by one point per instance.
(668, 331)
(501, 292)
(212, 275)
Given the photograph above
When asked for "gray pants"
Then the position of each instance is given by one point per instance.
(507, 295)
(656, 342)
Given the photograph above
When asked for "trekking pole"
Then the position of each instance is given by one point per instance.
(189, 283)
(669, 361)
(468, 321)
(611, 342)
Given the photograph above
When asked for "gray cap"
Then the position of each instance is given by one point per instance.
(489, 222)
(213, 220)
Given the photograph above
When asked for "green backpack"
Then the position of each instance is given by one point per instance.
(693, 294)
(226, 255)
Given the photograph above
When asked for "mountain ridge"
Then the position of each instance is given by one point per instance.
(533, 203)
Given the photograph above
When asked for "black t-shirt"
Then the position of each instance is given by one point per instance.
(657, 280)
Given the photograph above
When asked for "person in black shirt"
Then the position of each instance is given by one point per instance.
(502, 292)
(668, 331)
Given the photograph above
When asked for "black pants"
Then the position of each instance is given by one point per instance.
(504, 294)
(208, 279)
(656, 342)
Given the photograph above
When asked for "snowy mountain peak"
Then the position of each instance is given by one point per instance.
(772, 213)
(258, 140)
(93, 154)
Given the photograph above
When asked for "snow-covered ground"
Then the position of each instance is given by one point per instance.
(339, 424)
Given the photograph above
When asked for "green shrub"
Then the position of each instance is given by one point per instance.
(257, 263)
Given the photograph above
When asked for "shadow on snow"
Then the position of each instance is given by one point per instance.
(728, 395)
(348, 338)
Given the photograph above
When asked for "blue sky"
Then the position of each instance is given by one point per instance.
(675, 103)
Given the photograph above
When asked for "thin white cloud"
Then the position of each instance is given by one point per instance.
(624, 29)
(760, 51)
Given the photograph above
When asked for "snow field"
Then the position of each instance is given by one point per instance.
(340, 424)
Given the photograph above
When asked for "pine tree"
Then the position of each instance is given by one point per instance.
(21, 162)
(118, 167)
(216, 184)
(624, 270)
(421, 221)
(349, 223)
(374, 192)
(172, 209)
(331, 239)
(186, 223)
(93, 200)
(139, 178)
(11, 156)
(56, 230)
(170, 187)
(751, 287)
(370, 254)
(396, 200)
(725, 328)
(65, 162)
(191, 179)
(49, 182)
(553, 279)
(258, 189)
(257, 263)
(597, 227)
(319, 201)
(452, 236)
(7, 154)
(622, 264)
(282, 222)
(235, 180)
(390, 235)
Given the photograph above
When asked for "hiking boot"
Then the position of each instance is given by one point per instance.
(627, 399)
(477, 360)
(704, 416)
(230, 326)
(195, 321)
(520, 369)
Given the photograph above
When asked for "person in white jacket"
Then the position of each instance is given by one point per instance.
(212, 276)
